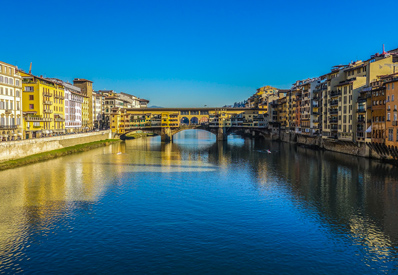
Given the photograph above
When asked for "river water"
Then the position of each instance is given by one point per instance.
(200, 206)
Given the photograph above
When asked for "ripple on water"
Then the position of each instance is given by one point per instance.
(200, 206)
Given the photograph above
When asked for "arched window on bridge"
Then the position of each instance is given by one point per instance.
(204, 120)
(194, 121)
(185, 120)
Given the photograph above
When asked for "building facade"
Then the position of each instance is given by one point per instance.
(43, 106)
(10, 103)
(86, 87)
(73, 108)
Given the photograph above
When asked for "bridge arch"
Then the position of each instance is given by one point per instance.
(194, 121)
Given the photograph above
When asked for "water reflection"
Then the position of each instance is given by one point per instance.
(348, 204)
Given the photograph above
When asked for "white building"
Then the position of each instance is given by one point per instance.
(10, 103)
(98, 109)
(73, 108)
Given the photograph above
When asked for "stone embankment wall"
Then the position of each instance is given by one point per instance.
(345, 147)
(23, 148)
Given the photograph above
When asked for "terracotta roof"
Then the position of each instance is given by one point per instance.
(81, 80)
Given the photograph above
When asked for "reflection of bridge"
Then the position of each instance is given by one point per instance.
(166, 122)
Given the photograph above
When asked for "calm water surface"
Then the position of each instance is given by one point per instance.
(197, 206)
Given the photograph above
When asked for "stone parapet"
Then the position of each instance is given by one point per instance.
(23, 148)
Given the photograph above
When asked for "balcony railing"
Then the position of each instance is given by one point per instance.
(333, 111)
(335, 93)
(48, 111)
(395, 123)
(334, 103)
(8, 127)
(8, 111)
(47, 94)
(361, 110)
(333, 121)
(33, 118)
(47, 102)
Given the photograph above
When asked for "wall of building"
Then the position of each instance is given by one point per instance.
(19, 149)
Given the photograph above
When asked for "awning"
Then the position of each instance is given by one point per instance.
(369, 130)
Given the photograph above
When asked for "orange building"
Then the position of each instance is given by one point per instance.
(391, 112)
(378, 111)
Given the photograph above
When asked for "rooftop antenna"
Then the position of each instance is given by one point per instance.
(384, 52)
(30, 68)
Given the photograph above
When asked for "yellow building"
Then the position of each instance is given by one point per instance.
(43, 106)
(86, 118)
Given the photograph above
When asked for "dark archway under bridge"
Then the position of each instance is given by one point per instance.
(221, 133)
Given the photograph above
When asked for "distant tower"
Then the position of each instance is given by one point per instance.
(86, 87)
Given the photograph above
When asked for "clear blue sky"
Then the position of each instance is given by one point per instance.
(192, 53)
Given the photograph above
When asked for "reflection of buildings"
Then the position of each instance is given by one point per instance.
(34, 196)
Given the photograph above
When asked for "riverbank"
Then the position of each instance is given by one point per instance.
(56, 153)
(11, 150)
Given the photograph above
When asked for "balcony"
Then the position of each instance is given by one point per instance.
(335, 93)
(361, 110)
(46, 102)
(333, 121)
(36, 118)
(334, 103)
(8, 111)
(48, 111)
(59, 119)
(47, 94)
(59, 96)
(395, 123)
(333, 111)
(8, 127)
(361, 120)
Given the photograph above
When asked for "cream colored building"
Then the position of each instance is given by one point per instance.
(10, 103)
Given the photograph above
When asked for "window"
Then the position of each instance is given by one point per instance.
(31, 106)
(388, 98)
(29, 88)
(392, 98)
(31, 97)
(388, 116)
(390, 134)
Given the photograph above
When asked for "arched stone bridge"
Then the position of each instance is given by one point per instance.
(167, 122)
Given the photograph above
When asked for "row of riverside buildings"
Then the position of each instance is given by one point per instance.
(356, 102)
(34, 106)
